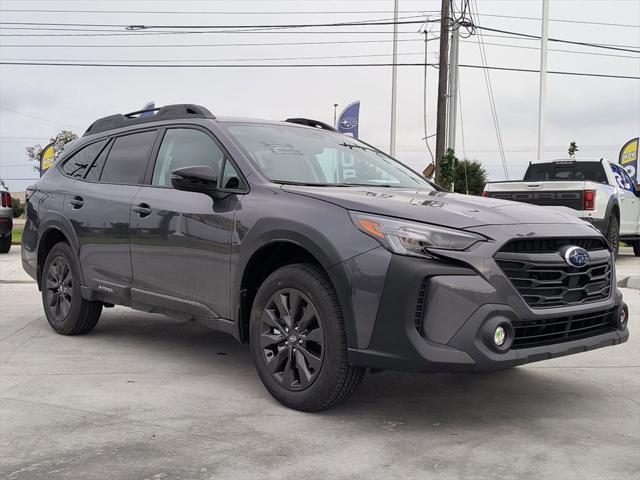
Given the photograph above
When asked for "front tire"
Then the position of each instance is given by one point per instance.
(613, 235)
(298, 340)
(636, 248)
(67, 312)
(5, 244)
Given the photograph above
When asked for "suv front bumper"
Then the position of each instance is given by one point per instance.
(439, 316)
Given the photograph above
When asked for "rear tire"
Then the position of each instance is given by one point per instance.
(67, 312)
(298, 340)
(613, 235)
(636, 248)
(5, 244)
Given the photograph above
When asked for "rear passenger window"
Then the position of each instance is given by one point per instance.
(93, 175)
(78, 165)
(128, 158)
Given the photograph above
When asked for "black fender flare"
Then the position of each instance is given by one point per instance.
(611, 205)
(59, 222)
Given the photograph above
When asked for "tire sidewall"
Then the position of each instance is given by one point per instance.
(614, 226)
(295, 276)
(66, 325)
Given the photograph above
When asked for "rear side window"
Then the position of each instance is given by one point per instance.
(127, 158)
(78, 165)
(583, 171)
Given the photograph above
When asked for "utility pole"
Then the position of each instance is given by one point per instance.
(442, 86)
(452, 113)
(394, 79)
(543, 78)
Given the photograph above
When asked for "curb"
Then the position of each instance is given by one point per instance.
(630, 282)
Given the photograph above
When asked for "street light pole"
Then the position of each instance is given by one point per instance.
(543, 77)
(335, 115)
(394, 79)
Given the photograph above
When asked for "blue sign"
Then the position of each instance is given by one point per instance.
(348, 122)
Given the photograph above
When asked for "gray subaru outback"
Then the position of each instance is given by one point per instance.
(323, 253)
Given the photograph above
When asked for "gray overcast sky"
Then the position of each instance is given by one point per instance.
(599, 114)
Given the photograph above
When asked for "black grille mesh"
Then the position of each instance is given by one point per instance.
(535, 333)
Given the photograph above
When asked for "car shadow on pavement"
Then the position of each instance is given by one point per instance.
(520, 394)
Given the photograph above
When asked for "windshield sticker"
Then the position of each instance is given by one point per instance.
(282, 148)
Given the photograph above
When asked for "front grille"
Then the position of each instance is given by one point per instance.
(546, 245)
(571, 199)
(535, 333)
(420, 304)
(543, 279)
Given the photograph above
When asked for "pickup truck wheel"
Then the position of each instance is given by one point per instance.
(67, 312)
(613, 235)
(5, 244)
(298, 340)
(636, 248)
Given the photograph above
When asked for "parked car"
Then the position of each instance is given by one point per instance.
(598, 191)
(6, 220)
(323, 253)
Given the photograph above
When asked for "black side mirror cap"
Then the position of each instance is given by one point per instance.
(200, 178)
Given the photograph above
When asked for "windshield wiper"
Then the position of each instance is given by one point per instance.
(353, 184)
(303, 184)
(353, 145)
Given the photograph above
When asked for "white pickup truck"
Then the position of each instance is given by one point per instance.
(598, 191)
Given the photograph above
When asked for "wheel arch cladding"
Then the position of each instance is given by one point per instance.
(51, 236)
(276, 254)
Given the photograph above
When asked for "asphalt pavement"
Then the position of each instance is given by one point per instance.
(147, 397)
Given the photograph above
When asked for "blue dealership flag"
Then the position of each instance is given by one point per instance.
(349, 119)
(149, 106)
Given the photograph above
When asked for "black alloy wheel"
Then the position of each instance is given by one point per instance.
(59, 288)
(292, 339)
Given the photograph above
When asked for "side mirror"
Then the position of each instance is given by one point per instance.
(201, 179)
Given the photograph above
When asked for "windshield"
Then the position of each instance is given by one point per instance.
(290, 154)
(570, 170)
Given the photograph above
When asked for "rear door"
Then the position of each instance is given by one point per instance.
(181, 241)
(98, 206)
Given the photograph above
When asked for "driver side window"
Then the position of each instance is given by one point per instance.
(185, 147)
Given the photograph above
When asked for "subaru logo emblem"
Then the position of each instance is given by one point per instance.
(348, 123)
(576, 257)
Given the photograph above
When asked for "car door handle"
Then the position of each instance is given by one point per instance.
(76, 202)
(142, 209)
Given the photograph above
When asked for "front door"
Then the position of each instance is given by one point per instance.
(181, 241)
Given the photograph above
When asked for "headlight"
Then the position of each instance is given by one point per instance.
(411, 238)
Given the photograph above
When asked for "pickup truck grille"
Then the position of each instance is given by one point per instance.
(535, 333)
(543, 279)
(571, 199)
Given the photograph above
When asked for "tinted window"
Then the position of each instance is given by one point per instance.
(183, 147)
(93, 175)
(78, 165)
(128, 158)
(585, 171)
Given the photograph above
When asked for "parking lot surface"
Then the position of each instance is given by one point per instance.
(147, 397)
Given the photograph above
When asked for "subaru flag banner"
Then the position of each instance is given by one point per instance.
(629, 158)
(149, 106)
(349, 119)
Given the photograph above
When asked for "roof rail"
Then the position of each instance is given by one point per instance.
(168, 112)
(311, 123)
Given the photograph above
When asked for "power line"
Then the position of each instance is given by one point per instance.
(308, 65)
(38, 118)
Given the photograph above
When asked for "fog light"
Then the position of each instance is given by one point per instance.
(624, 315)
(499, 336)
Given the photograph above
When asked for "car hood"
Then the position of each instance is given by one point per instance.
(439, 208)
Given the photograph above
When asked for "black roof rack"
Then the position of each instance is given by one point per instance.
(311, 123)
(169, 112)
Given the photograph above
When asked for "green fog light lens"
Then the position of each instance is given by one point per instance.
(499, 336)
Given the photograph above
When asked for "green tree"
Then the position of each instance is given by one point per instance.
(470, 177)
(17, 208)
(448, 166)
(60, 140)
(573, 148)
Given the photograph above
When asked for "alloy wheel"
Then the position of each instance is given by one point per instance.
(292, 339)
(59, 288)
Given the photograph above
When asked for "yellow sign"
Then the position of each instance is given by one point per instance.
(47, 157)
(629, 158)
